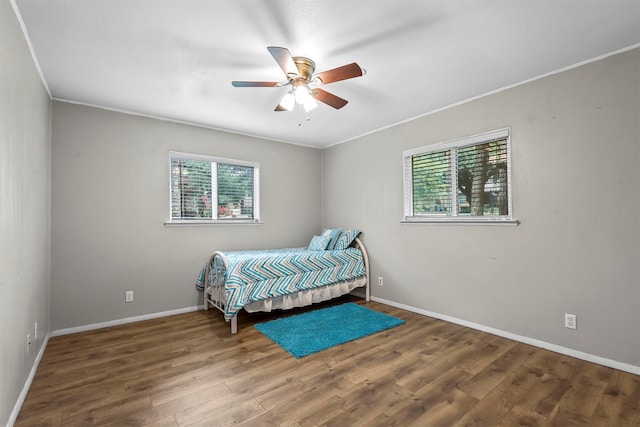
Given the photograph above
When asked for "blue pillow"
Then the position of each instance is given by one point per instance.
(319, 243)
(333, 236)
(345, 239)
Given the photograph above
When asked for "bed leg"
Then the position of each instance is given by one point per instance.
(234, 324)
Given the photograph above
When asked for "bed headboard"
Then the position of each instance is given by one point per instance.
(357, 243)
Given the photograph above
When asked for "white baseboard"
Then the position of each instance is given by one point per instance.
(27, 384)
(124, 321)
(526, 340)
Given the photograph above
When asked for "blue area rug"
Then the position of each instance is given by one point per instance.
(314, 331)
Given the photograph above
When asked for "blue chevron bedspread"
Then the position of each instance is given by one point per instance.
(261, 274)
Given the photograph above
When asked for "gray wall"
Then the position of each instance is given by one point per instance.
(24, 210)
(576, 189)
(110, 183)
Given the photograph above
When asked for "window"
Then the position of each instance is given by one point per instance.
(466, 180)
(213, 190)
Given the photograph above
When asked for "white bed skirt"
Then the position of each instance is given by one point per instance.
(307, 297)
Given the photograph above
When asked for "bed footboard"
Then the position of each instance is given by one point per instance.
(214, 291)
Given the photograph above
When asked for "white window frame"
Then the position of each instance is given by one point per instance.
(453, 217)
(214, 193)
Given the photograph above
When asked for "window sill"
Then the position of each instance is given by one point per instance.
(462, 221)
(213, 222)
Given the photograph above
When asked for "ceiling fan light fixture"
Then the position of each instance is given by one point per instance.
(288, 101)
(310, 104)
(301, 93)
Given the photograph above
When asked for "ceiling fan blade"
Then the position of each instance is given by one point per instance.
(284, 59)
(341, 73)
(256, 84)
(329, 98)
(280, 108)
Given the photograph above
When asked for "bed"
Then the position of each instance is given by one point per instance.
(334, 264)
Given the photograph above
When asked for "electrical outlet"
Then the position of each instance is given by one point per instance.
(570, 321)
(28, 343)
(380, 281)
(128, 296)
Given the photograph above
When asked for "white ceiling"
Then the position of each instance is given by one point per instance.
(176, 59)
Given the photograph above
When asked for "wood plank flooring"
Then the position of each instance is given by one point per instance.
(188, 370)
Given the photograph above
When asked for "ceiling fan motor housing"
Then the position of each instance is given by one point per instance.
(305, 67)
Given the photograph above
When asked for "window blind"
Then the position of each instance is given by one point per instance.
(431, 174)
(483, 179)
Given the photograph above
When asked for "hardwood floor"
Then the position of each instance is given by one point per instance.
(187, 370)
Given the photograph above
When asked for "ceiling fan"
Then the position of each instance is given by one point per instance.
(299, 71)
